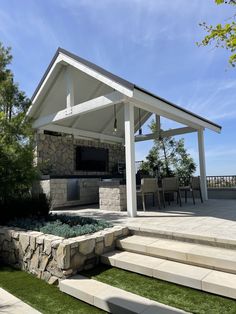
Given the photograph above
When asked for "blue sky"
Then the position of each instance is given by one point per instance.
(149, 42)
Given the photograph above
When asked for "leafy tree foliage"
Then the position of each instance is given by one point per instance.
(168, 157)
(16, 139)
(223, 35)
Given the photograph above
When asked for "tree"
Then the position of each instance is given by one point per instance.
(223, 35)
(17, 171)
(168, 157)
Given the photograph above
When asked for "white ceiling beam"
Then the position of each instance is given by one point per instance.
(70, 97)
(178, 131)
(82, 108)
(168, 133)
(83, 133)
(162, 108)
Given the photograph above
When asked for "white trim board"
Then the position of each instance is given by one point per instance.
(83, 133)
(82, 108)
(160, 107)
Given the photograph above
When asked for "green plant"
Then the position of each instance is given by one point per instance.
(168, 157)
(224, 36)
(17, 171)
(60, 225)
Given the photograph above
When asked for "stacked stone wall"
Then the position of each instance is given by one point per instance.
(112, 197)
(52, 258)
(58, 153)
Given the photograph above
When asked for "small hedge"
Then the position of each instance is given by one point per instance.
(61, 225)
(24, 207)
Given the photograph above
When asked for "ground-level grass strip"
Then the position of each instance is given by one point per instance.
(188, 299)
(40, 295)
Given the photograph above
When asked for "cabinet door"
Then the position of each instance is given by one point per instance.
(73, 190)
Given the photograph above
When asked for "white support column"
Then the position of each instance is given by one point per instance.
(202, 164)
(130, 160)
(70, 99)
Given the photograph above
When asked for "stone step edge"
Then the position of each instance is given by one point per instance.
(184, 237)
(205, 283)
(97, 294)
(119, 246)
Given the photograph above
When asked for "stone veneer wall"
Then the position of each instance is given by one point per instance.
(56, 191)
(112, 196)
(52, 258)
(59, 151)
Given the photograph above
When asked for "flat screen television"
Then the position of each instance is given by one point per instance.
(91, 159)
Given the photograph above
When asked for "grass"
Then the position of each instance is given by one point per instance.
(48, 299)
(40, 295)
(188, 299)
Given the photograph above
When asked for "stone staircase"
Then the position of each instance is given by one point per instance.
(205, 267)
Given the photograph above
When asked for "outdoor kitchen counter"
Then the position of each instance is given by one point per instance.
(112, 195)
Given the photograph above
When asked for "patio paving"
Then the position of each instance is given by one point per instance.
(212, 220)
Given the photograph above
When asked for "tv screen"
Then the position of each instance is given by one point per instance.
(91, 159)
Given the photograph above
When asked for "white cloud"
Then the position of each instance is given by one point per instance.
(211, 98)
(16, 25)
(143, 22)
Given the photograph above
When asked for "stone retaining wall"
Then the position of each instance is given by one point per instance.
(52, 258)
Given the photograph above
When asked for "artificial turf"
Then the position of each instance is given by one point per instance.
(48, 299)
(40, 295)
(188, 299)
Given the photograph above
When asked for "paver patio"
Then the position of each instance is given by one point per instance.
(212, 219)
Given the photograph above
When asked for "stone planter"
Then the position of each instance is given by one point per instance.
(50, 257)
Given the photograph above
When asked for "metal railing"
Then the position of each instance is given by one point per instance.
(221, 181)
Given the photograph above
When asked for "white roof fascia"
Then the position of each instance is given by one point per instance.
(95, 74)
(162, 108)
(43, 85)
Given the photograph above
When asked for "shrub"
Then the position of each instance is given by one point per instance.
(24, 207)
(61, 225)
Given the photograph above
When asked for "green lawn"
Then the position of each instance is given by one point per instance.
(40, 295)
(188, 299)
(48, 299)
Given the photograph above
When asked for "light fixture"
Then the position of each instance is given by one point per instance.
(115, 120)
(140, 131)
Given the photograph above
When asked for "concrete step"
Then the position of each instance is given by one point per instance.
(206, 239)
(200, 278)
(9, 304)
(111, 299)
(190, 253)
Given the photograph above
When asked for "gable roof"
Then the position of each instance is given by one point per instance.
(130, 86)
(87, 63)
